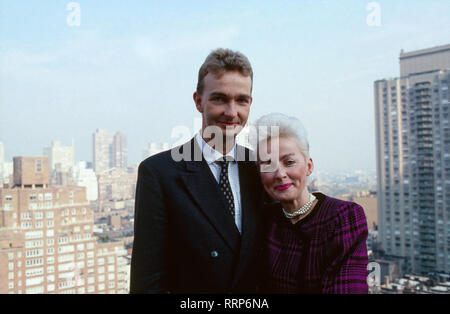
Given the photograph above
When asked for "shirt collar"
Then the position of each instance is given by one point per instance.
(210, 154)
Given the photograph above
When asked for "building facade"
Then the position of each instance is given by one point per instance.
(61, 158)
(47, 243)
(103, 150)
(120, 150)
(84, 176)
(154, 148)
(116, 184)
(413, 161)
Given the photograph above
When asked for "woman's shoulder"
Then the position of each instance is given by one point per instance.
(344, 212)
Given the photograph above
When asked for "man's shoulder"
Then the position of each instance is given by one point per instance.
(173, 158)
(162, 160)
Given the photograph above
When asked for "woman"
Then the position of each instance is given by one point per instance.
(315, 243)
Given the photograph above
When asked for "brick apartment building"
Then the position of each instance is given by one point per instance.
(47, 243)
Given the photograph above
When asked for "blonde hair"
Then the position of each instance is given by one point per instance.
(287, 127)
(222, 60)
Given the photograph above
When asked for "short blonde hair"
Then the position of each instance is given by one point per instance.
(288, 126)
(222, 60)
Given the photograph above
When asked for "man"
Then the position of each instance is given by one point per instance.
(198, 218)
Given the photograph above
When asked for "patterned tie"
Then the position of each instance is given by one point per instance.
(225, 186)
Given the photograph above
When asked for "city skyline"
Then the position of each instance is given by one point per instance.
(134, 67)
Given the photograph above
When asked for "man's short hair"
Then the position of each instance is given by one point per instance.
(222, 60)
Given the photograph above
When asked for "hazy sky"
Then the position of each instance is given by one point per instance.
(132, 66)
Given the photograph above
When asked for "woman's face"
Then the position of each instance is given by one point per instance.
(283, 168)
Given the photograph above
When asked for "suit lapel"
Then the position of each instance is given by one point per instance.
(202, 186)
(249, 214)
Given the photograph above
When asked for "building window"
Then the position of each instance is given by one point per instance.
(38, 165)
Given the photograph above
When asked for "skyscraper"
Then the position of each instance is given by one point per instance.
(413, 161)
(86, 177)
(61, 157)
(120, 150)
(102, 141)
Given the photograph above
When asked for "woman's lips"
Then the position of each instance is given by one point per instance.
(283, 187)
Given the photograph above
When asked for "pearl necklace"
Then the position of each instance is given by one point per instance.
(304, 209)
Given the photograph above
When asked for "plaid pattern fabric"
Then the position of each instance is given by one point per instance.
(324, 253)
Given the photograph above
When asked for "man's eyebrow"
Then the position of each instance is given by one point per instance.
(225, 95)
(287, 155)
(218, 94)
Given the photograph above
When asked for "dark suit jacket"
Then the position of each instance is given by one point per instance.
(185, 239)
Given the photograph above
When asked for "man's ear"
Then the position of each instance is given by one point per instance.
(198, 102)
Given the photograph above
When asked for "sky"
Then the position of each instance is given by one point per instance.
(132, 67)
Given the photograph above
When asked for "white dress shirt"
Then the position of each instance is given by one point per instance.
(211, 156)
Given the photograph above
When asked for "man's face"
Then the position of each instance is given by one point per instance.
(225, 102)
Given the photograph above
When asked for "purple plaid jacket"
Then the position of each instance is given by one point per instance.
(324, 253)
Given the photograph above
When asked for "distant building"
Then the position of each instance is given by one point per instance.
(103, 150)
(390, 270)
(153, 149)
(46, 238)
(116, 184)
(368, 201)
(86, 177)
(115, 222)
(8, 170)
(120, 151)
(64, 156)
(414, 284)
(61, 159)
(413, 160)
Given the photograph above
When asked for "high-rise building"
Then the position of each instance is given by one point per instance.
(61, 157)
(413, 161)
(103, 150)
(120, 150)
(86, 177)
(8, 169)
(47, 244)
(153, 149)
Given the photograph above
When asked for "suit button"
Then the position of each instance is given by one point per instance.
(214, 254)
